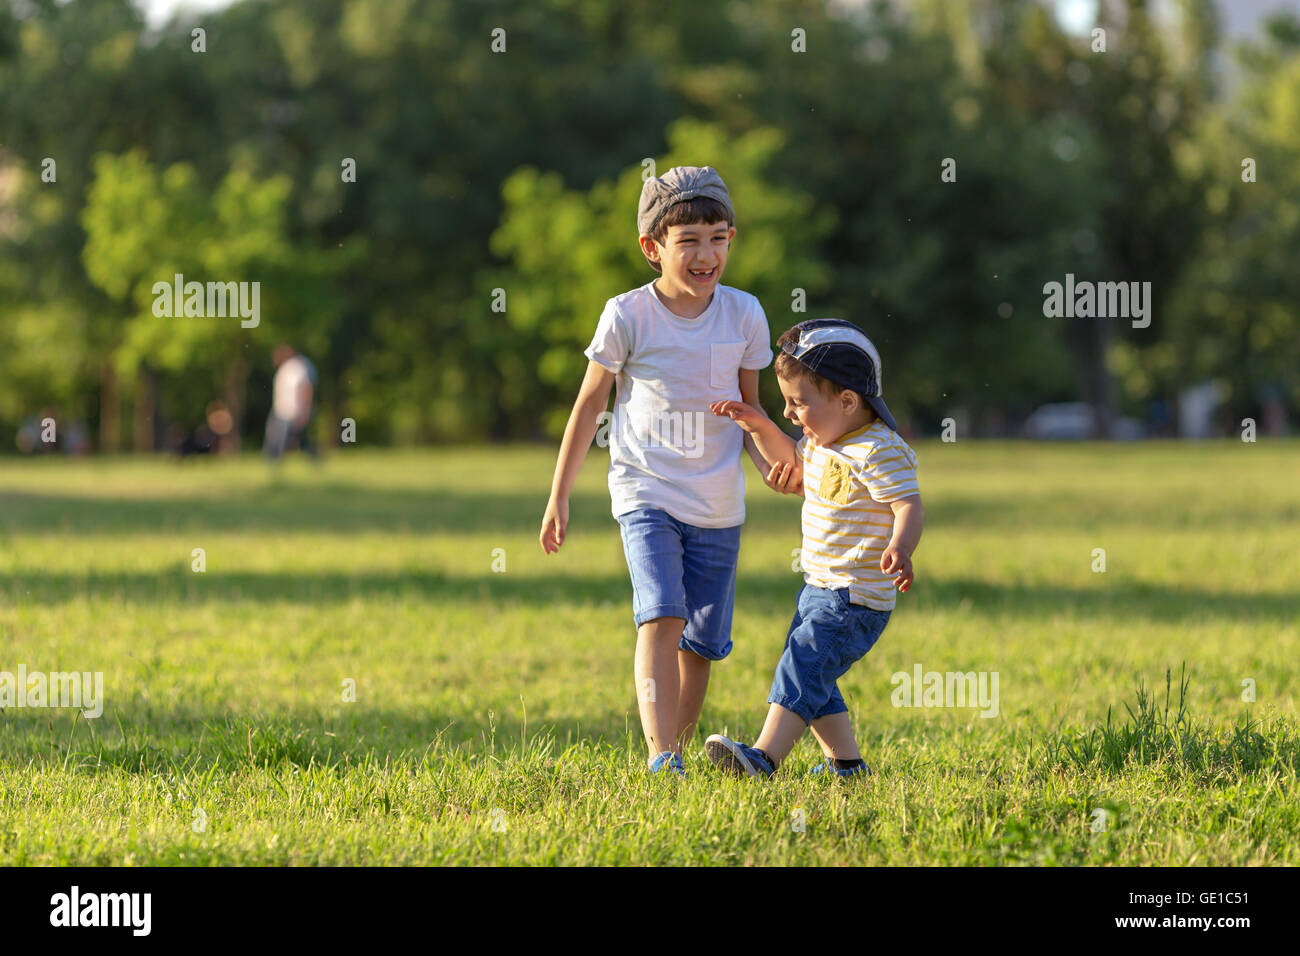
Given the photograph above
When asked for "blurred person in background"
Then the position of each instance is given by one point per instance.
(48, 432)
(292, 402)
(212, 435)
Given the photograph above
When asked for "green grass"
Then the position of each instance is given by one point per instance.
(495, 719)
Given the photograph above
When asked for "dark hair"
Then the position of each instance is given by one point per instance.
(791, 369)
(691, 212)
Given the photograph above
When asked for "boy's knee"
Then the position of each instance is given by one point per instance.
(664, 626)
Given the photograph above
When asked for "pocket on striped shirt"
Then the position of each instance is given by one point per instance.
(836, 484)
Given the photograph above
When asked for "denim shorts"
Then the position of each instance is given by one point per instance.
(680, 570)
(828, 635)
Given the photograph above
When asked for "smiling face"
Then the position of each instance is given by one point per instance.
(825, 417)
(692, 257)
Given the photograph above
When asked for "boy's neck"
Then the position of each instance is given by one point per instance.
(684, 306)
(866, 422)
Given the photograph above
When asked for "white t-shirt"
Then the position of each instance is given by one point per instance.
(285, 400)
(666, 449)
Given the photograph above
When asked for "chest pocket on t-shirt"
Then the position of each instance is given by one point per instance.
(724, 365)
(837, 482)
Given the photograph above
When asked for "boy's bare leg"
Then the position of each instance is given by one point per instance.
(695, 681)
(781, 731)
(835, 733)
(657, 680)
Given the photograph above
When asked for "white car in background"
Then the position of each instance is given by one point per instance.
(1075, 421)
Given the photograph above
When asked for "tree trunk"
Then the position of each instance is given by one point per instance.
(330, 417)
(1089, 340)
(236, 381)
(110, 410)
(146, 400)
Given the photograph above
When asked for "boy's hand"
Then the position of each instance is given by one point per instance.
(779, 479)
(746, 416)
(554, 522)
(898, 562)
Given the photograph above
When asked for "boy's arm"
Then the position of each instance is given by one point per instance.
(784, 470)
(584, 420)
(771, 446)
(897, 559)
(781, 454)
(749, 395)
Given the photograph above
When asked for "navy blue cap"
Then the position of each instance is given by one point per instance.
(840, 351)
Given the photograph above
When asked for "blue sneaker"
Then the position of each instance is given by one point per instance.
(736, 758)
(826, 767)
(666, 762)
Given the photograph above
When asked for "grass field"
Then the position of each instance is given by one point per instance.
(495, 715)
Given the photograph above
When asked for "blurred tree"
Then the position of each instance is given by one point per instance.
(1065, 161)
(78, 78)
(1236, 315)
(144, 227)
(1127, 111)
(437, 121)
(945, 275)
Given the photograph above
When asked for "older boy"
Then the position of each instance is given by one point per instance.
(674, 346)
(862, 521)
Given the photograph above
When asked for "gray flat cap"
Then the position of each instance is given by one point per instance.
(677, 185)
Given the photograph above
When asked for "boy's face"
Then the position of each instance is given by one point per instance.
(693, 256)
(823, 419)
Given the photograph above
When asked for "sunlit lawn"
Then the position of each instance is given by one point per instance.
(495, 713)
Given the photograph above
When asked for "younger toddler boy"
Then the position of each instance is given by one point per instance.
(862, 521)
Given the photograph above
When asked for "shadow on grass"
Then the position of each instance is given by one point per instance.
(176, 740)
(755, 592)
(327, 509)
(1121, 601)
(342, 508)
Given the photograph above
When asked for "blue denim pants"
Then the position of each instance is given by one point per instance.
(827, 636)
(680, 570)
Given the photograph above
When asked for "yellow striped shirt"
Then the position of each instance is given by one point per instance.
(847, 520)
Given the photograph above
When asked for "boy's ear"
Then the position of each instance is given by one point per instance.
(649, 247)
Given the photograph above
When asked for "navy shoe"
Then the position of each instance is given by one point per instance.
(666, 762)
(736, 758)
(826, 767)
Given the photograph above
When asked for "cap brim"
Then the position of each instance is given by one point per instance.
(880, 408)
